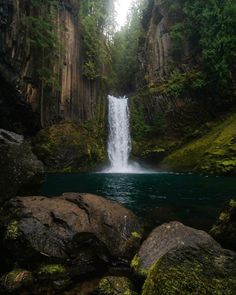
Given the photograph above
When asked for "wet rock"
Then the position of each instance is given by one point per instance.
(164, 239)
(82, 230)
(68, 147)
(224, 231)
(176, 259)
(115, 286)
(21, 171)
(15, 280)
(191, 270)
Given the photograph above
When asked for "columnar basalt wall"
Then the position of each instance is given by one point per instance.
(75, 97)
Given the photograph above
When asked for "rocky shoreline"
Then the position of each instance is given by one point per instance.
(86, 244)
(49, 245)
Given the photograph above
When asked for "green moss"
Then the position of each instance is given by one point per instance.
(224, 216)
(212, 153)
(16, 278)
(135, 262)
(52, 269)
(67, 147)
(115, 286)
(135, 265)
(193, 272)
(12, 232)
(232, 203)
(136, 235)
(224, 230)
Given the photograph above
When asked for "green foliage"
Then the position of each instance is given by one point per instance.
(97, 22)
(181, 83)
(210, 29)
(44, 37)
(12, 232)
(125, 51)
(51, 269)
(140, 129)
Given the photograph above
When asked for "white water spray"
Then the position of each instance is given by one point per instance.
(119, 140)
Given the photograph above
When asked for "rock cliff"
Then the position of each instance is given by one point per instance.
(63, 92)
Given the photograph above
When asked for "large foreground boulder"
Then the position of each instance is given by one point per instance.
(176, 259)
(21, 171)
(76, 229)
(192, 271)
(224, 230)
(167, 237)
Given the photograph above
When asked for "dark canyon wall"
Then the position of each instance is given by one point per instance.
(63, 92)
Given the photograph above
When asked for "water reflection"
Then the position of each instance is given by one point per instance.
(157, 197)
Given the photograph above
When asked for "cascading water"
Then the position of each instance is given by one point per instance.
(119, 141)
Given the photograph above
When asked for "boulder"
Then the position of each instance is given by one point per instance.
(164, 239)
(81, 230)
(193, 271)
(113, 285)
(68, 147)
(15, 280)
(21, 171)
(224, 230)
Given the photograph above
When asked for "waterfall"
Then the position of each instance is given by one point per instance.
(119, 140)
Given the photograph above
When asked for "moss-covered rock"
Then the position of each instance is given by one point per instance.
(82, 231)
(52, 269)
(224, 230)
(153, 150)
(12, 231)
(192, 271)
(164, 239)
(21, 172)
(67, 147)
(214, 153)
(16, 279)
(58, 274)
(115, 286)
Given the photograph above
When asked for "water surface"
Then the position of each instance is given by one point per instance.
(157, 198)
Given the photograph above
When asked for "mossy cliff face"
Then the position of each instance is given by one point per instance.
(214, 153)
(67, 147)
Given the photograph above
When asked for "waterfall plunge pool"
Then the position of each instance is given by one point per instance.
(157, 198)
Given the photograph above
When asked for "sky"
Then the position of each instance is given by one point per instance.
(122, 8)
